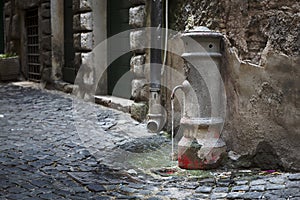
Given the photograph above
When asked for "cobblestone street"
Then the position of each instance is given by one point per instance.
(47, 152)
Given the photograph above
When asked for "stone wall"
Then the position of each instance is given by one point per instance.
(137, 20)
(83, 44)
(249, 25)
(15, 31)
(261, 75)
(82, 27)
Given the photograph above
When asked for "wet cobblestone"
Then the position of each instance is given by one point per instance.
(42, 156)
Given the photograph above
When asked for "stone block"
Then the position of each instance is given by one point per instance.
(137, 2)
(46, 5)
(137, 66)
(80, 6)
(76, 5)
(137, 16)
(77, 39)
(86, 59)
(87, 41)
(140, 91)
(85, 5)
(83, 22)
(77, 60)
(7, 8)
(76, 23)
(46, 43)
(46, 58)
(15, 32)
(46, 26)
(138, 41)
(27, 4)
(46, 73)
(86, 21)
(139, 111)
(45, 10)
(83, 41)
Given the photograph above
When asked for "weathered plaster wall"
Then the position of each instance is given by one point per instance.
(249, 25)
(261, 75)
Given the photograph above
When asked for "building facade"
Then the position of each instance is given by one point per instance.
(57, 42)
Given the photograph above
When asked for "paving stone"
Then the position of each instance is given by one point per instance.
(294, 177)
(96, 187)
(154, 198)
(273, 194)
(201, 195)
(241, 182)
(293, 184)
(252, 195)
(127, 190)
(101, 198)
(49, 196)
(40, 183)
(207, 181)
(218, 195)
(274, 187)
(258, 182)
(203, 189)
(240, 188)
(220, 189)
(235, 195)
(257, 188)
(291, 192)
(17, 196)
(40, 146)
(277, 180)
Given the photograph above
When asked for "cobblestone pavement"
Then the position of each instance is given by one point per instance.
(42, 156)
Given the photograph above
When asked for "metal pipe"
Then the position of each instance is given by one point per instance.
(174, 90)
(155, 116)
(155, 53)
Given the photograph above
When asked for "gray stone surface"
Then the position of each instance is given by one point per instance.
(137, 66)
(43, 155)
(137, 16)
(295, 177)
(139, 111)
(83, 41)
(203, 189)
(138, 41)
(240, 188)
(139, 89)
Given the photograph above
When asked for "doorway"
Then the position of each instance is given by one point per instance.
(69, 72)
(119, 76)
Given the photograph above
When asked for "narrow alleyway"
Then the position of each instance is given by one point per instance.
(47, 153)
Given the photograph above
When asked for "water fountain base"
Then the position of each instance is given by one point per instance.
(200, 154)
(201, 146)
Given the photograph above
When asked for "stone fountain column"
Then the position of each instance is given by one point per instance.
(204, 111)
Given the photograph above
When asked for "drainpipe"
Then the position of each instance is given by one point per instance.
(155, 116)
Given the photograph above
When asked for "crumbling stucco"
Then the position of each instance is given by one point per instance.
(249, 25)
(261, 75)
